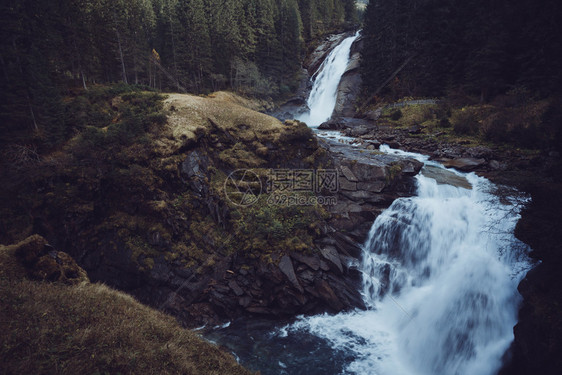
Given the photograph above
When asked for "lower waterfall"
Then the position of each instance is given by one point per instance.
(440, 275)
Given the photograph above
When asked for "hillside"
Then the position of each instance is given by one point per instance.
(66, 325)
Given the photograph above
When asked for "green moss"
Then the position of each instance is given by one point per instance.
(409, 115)
(239, 156)
(393, 171)
(266, 228)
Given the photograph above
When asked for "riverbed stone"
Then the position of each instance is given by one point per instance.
(462, 164)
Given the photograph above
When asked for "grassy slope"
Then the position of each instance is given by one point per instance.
(53, 328)
(508, 122)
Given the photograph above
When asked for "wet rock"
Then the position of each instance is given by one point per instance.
(394, 144)
(326, 293)
(357, 132)
(462, 164)
(495, 165)
(316, 58)
(445, 177)
(332, 124)
(350, 83)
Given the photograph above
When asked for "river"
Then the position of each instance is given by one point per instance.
(440, 275)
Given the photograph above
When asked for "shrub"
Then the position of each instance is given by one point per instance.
(495, 129)
(465, 122)
(396, 115)
(445, 123)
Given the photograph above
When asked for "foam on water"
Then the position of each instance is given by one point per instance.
(322, 98)
(440, 275)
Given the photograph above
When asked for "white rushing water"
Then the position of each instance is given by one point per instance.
(322, 98)
(440, 275)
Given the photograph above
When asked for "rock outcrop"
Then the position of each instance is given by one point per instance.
(350, 83)
(317, 57)
(537, 344)
(369, 182)
(164, 220)
(35, 259)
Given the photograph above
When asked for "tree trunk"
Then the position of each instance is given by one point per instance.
(121, 57)
(124, 71)
(174, 51)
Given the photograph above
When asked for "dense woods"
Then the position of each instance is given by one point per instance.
(476, 47)
(49, 47)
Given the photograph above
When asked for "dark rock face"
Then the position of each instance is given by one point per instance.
(350, 83)
(443, 176)
(368, 183)
(324, 279)
(316, 58)
(537, 346)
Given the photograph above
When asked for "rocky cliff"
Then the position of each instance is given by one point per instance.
(350, 83)
(158, 215)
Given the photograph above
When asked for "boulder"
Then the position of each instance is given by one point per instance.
(235, 287)
(462, 164)
(445, 177)
(312, 262)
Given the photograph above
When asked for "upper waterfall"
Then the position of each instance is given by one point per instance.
(322, 98)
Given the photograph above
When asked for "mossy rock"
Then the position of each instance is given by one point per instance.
(33, 258)
(29, 249)
(58, 266)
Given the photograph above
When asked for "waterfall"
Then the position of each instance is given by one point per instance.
(440, 274)
(322, 98)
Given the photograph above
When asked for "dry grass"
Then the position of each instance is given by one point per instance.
(89, 328)
(254, 104)
(190, 117)
(55, 328)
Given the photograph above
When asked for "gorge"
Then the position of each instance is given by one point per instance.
(342, 232)
(439, 272)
